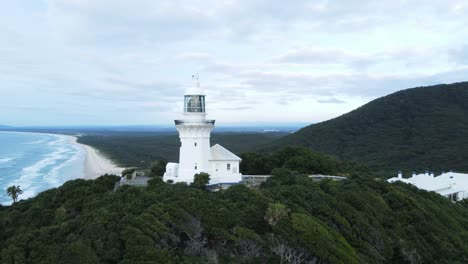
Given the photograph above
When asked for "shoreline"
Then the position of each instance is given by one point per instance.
(50, 168)
(96, 163)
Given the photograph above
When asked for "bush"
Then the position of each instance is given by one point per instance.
(200, 180)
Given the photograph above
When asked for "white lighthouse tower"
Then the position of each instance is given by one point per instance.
(196, 155)
(194, 132)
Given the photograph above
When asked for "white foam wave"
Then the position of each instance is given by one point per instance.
(5, 160)
(31, 179)
(60, 139)
(35, 142)
(55, 179)
(52, 170)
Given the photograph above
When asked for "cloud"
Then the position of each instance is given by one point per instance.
(324, 56)
(331, 101)
(126, 23)
(459, 55)
(234, 108)
(371, 85)
(146, 21)
(408, 58)
(122, 60)
(196, 57)
(145, 89)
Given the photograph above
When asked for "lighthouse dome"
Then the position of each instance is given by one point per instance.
(195, 89)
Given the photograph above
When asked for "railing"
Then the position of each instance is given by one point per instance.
(255, 180)
(320, 177)
(195, 109)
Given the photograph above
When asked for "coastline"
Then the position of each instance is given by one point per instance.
(95, 163)
(39, 163)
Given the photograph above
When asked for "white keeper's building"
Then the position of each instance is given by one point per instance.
(452, 185)
(196, 153)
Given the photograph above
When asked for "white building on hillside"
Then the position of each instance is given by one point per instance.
(451, 184)
(196, 154)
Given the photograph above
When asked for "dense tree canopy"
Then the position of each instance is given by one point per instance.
(291, 218)
(301, 160)
(157, 168)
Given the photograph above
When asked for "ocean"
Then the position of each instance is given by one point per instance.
(37, 162)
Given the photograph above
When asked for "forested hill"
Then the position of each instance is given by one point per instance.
(291, 219)
(417, 129)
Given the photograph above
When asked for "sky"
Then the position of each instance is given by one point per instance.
(115, 62)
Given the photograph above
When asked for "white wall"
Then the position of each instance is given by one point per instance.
(192, 155)
(220, 174)
(172, 170)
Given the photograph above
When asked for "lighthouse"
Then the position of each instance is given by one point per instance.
(196, 154)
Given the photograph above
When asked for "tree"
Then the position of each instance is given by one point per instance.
(275, 212)
(157, 168)
(14, 192)
(291, 254)
(200, 180)
(128, 173)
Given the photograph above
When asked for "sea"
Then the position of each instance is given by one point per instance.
(37, 162)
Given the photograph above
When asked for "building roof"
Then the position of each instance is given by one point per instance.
(218, 152)
(446, 183)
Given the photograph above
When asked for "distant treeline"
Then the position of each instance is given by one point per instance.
(140, 149)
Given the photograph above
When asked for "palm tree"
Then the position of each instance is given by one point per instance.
(14, 192)
(275, 212)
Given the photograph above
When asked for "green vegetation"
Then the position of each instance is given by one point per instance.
(14, 191)
(128, 173)
(200, 180)
(157, 168)
(289, 219)
(412, 130)
(301, 160)
(275, 212)
(141, 149)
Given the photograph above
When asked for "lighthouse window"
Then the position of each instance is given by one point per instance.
(194, 104)
(228, 167)
(195, 144)
(195, 166)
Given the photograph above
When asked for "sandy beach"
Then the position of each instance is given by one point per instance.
(96, 164)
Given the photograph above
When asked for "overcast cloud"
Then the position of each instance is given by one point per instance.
(111, 62)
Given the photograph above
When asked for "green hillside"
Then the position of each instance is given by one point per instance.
(416, 129)
(291, 219)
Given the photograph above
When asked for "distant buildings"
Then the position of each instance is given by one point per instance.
(196, 154)
(451, 184)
